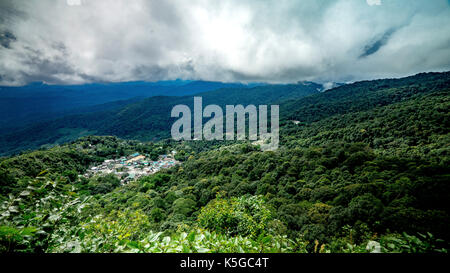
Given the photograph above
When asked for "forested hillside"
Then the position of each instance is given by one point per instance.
(363, 167)
(147, 119)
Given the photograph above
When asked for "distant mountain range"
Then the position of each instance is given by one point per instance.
(38, 101)
(143, 119)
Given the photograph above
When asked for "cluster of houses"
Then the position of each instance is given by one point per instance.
(132, 167)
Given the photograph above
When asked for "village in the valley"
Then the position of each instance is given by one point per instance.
(132, 167)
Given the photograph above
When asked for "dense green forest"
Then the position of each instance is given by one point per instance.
(364, 167)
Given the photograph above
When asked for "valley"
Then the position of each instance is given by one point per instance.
(360, 165)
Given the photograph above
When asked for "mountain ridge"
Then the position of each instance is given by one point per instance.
(39, 101)
(146, 119)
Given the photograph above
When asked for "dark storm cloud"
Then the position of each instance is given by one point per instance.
(372, 48)
(78, 41)
(6, 38)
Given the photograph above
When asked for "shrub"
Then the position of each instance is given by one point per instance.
(245, 216)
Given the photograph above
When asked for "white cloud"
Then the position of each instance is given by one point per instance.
(229, 40)
(373, 2)
(74, 2)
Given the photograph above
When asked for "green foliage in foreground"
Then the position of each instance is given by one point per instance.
(247, 216)
(96, 239)
(53, 224)
(29, 219)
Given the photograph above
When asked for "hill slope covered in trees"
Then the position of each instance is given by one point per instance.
(367, 164)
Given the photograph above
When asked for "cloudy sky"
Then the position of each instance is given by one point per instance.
(78, 41)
